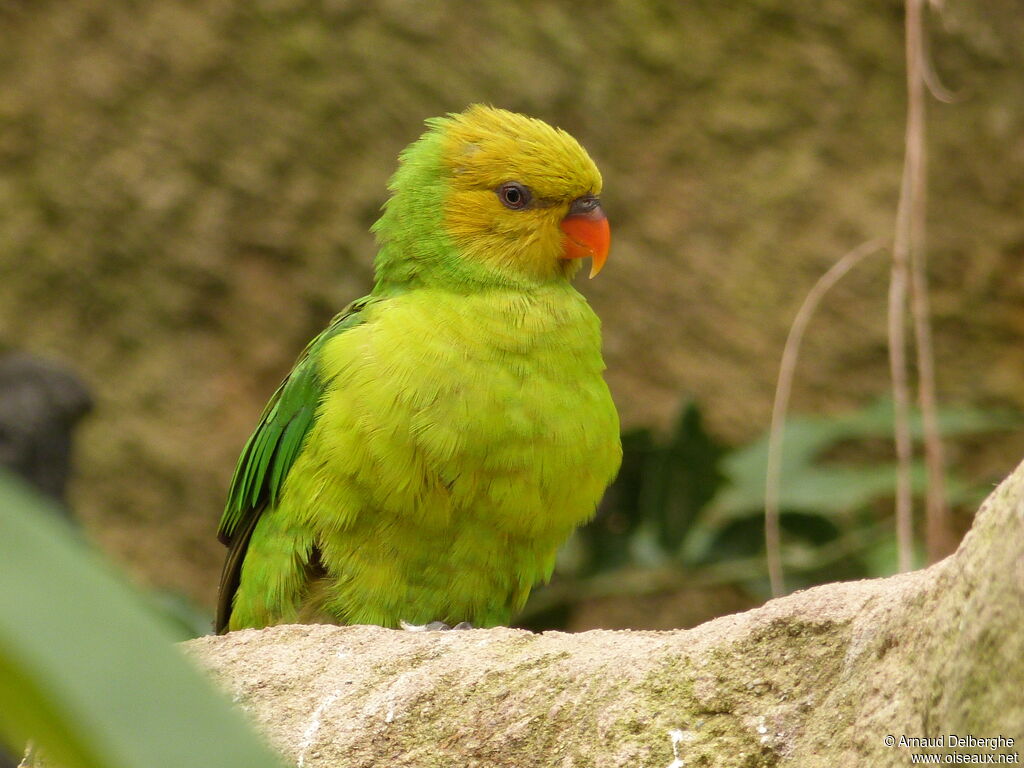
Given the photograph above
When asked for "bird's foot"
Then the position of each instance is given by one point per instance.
(434, 626)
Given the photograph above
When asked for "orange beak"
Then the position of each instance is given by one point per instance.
(587, 233)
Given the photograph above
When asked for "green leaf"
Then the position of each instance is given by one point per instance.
(812, 485)
(87, 671)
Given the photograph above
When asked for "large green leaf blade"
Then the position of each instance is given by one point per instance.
(88, 671)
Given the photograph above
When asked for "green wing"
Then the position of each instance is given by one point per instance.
(270, 452)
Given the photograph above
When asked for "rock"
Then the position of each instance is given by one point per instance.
(818, 678)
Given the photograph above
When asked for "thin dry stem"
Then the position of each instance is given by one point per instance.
(938, 533)
(783, 388)
(935, 86)
(928, 73)
(901, 404)
(898, 283)
(937, 528)
(908, 266)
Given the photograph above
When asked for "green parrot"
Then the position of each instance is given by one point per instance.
(435, 445)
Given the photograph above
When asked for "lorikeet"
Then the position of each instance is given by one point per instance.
(433, 447)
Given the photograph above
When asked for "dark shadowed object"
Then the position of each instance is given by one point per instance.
(40, 403)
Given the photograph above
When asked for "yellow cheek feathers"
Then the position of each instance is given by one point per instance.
(587, 235)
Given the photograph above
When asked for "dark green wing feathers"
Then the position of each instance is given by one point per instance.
(270, 452)
(271, 449)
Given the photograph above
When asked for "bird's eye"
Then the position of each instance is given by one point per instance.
(514, 195)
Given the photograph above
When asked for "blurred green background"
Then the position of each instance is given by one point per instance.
(186, 190)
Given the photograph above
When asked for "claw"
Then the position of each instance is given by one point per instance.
(434, 626)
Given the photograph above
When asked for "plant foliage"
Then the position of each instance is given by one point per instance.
(87, 671)
(691, 504)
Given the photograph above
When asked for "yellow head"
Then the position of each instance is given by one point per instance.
(518, 203)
